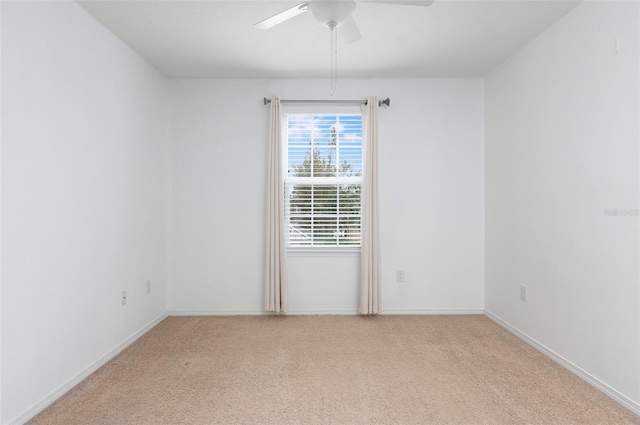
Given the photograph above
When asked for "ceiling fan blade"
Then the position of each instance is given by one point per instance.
(402, 2)
(282, 16)
(349, 31)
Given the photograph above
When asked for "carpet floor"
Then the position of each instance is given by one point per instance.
(332, 370)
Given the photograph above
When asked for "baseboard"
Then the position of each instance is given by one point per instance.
(259, 312)
(611, 392)
(64, 388)
(219, 313)
(321, 312)
(436, 311)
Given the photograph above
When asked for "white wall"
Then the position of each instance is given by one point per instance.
(432, 196)
(84, 151)
(562, 134)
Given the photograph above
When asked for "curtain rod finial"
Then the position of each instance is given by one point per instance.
(266, 101)
(387, 102)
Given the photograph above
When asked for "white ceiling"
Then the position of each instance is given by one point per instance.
(216, 38)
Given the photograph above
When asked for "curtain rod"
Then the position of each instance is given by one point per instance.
(387, 101)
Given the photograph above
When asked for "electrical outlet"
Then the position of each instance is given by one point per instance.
(148, 287)
(399, 275)
(124, 297)
(523, 293)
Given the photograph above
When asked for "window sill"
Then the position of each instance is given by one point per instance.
(323, 252)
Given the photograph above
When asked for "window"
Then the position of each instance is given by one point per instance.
(323, 179)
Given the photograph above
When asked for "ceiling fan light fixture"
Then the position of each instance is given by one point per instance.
(331, 11)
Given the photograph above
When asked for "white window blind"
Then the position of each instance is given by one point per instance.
(323, 179)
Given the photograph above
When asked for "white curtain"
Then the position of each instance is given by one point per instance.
(370, 254)
(275, 291)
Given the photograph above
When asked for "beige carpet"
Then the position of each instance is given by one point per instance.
(332, 370)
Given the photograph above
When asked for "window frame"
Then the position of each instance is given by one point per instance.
(315, 110)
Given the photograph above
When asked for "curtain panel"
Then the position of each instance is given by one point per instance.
(370, 251)
(275, 291)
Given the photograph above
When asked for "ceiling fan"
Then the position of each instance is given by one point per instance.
(333, 14)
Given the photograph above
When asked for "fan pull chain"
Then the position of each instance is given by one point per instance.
(334, 56)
